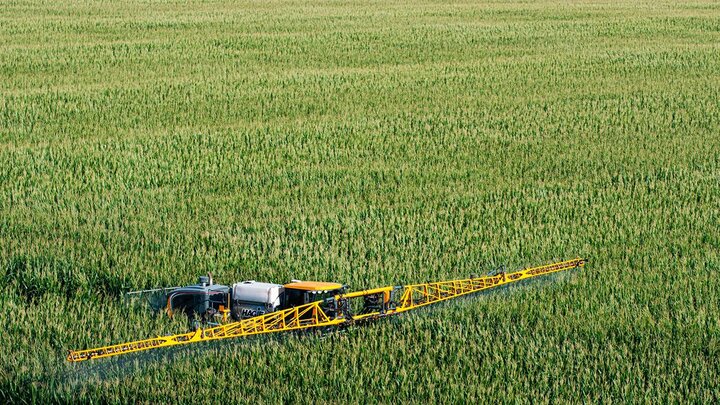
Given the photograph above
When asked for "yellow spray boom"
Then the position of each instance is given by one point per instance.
(333, 311)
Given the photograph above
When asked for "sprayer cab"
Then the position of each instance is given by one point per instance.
(304, 292)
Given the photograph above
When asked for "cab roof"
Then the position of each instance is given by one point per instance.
(313, 286)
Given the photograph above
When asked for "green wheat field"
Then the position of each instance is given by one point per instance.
(373, 143)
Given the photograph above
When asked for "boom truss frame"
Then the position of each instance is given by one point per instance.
(333, 311)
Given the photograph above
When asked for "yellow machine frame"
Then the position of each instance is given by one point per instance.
(313, 315)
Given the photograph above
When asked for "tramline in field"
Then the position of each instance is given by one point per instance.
(251, 308)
